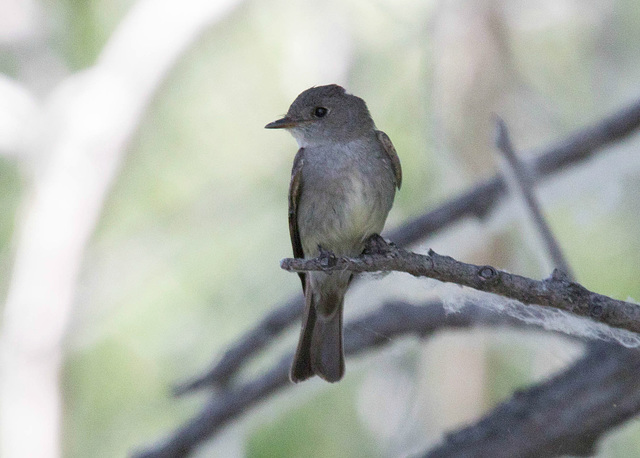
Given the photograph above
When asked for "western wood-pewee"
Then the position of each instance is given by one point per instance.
(342, 187)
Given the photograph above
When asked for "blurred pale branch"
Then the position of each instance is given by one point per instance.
(84, 130)
(475, 202)
(18, 108)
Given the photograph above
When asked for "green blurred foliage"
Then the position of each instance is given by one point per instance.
(11, 189)
(83, 27)
(186, 254)
(336, 429)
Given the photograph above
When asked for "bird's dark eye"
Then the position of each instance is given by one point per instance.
(320, 112)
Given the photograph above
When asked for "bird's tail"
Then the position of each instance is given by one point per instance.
(320, 346)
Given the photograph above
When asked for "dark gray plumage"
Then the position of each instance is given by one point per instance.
(342, 187)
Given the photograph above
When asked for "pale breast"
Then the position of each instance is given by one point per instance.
(345, 198)
(364, 212)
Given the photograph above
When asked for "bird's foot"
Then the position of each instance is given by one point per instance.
(375, 244)
(326, 257)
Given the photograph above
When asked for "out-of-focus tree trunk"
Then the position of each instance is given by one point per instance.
(83, 131)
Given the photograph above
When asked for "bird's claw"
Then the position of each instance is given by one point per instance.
(326, 257)
(375, 244)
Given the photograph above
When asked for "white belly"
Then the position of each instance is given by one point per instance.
(341, 217)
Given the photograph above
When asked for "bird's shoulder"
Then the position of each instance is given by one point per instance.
(392, 155)
(295, 188)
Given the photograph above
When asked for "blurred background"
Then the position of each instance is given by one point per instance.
(143, 207)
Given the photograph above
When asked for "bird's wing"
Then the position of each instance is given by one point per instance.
(295, 189)
(393, 156)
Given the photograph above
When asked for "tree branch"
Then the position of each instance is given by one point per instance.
(482, 198)
(477, 201)
(522, 184)
(557, 291)
(565, 415)
(390, 321)
(554, 399)
(574, 408)
(235, 356)
(83, 131)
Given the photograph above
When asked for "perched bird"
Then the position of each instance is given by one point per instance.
(343, 183)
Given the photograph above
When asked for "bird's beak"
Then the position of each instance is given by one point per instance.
(282, 123)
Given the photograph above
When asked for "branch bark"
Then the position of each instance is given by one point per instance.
(523, 186)
(475, 202)
(556, 291)
(565, 415)
(390, 321)
(573, 409)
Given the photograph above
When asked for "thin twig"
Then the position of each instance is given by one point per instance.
(523, 185)
(475, 202)
(268, 328)
(557, 291)
(482, 198)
